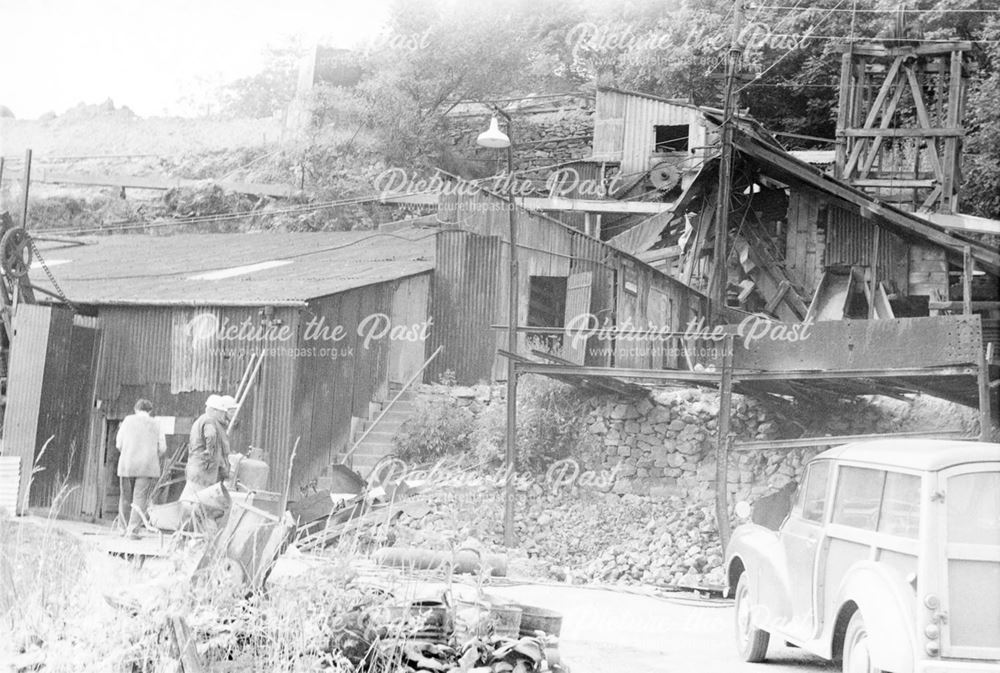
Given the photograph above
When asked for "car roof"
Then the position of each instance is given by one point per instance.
(915, 453)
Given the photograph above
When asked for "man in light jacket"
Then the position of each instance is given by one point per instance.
(142, 444)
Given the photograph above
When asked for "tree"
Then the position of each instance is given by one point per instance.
(267, 91)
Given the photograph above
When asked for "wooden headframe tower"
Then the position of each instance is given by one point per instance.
(899, 123)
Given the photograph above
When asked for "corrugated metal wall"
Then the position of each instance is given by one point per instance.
(337, 378)
(176, 357)
(642, 115)
(467, 297)
(849, 242)
(546, 248)
(609, 126)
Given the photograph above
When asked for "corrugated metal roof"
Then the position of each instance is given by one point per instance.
(169, 270)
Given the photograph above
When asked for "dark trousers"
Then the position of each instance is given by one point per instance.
(135, 491)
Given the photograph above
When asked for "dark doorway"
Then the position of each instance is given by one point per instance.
(547, 308)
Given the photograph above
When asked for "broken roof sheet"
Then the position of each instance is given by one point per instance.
(230, 269)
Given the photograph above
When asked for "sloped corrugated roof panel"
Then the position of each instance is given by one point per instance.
(171, 270)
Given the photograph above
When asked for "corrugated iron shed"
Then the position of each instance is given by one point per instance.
(232, 270)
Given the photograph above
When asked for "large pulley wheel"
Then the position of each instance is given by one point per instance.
(15, 253)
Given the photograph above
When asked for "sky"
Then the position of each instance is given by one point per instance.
(156, 57)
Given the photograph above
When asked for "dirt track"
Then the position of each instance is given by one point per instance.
(610, 632)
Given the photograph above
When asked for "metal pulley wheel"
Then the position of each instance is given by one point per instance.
(15, 253)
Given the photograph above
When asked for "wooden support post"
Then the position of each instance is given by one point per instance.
(949, 200)
(730, 108)
(843, 113)
(873, 266)
(968, 265)
(987, 414)
(722, 443)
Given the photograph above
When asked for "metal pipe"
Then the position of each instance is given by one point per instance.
(723, 443)
(510, 458)
(239, 402)
(27, 185)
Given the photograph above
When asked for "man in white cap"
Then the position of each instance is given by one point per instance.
(208, 448)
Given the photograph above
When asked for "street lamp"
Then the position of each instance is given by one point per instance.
(495, 138)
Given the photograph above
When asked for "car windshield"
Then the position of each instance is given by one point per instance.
(974, 508)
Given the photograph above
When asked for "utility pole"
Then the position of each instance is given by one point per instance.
(717, 293)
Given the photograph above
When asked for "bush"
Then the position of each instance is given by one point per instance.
(437, 428)
(549, 425)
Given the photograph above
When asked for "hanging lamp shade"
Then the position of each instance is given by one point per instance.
(493, 136)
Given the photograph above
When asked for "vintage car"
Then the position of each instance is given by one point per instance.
(888, 560)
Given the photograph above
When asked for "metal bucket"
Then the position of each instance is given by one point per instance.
(539, 619)
(506, 620)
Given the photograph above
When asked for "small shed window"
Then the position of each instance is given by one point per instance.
(547, 302)
(671, 138)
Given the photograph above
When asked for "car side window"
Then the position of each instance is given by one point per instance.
(859, 497)
(900, 513)
(812, 496)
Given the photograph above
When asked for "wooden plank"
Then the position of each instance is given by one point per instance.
(555, 203)
(10, 476)
(160, 183)
(960, 305)
(968, 266)
(879, 49)
(27, 357)
(901, 183)
(909, 132)
(949, 199)
(959, 222)
(925, 122)
(840, 150)
(577, 303)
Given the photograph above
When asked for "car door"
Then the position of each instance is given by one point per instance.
(801, 538)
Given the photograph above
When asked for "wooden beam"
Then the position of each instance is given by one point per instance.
(922, 50)
(903, 132)
(555, 203)
(949, 200)
(833, 440)
(987, 414)
(968, 266)
(890, 182)
(160, 183)
(840, 151)
(925, 122)
(960, 305)
(960, 222)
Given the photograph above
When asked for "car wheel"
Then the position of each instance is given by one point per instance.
(750, 641)
(857, 655)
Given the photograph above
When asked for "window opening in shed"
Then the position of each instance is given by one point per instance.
(671, 138)
(547, 308)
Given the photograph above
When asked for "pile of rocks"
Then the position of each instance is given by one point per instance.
(649, 517)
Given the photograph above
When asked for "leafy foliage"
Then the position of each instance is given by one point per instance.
(266, 92)
(437, 428)
(549, 425)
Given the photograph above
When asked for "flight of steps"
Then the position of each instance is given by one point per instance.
(379, 443)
